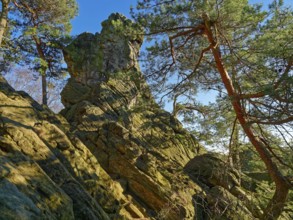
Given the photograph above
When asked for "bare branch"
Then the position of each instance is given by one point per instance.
(196, 31)
(263, 139)
(271, 122)
(191, 74)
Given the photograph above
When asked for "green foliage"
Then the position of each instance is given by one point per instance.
(43, 24)
(122, 27)
(255, 168)
(255, 45)
(38, 30)
(256, 48)
(237, 49)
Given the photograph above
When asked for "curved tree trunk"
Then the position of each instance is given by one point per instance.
(3, 19)
(277, 203)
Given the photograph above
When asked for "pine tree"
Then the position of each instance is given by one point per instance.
(38, 28)
(237, 49)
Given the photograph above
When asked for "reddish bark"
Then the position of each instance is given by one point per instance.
(277, 203)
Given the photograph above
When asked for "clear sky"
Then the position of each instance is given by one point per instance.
(93, 12)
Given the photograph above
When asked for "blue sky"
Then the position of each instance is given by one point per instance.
(93, 12)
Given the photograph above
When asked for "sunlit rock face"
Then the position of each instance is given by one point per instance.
(45, 170)
(93, 58)
(112, 110)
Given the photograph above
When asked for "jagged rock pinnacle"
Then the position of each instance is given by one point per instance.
(93, 58)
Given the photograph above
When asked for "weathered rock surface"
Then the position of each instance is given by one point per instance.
(222, 185)
(115, 154)
(46, 171)
(93, 58)
(34, 175)
(140, 145)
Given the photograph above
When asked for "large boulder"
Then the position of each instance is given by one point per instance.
(225, 187)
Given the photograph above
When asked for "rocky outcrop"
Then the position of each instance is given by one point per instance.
(140, 145)
(113, 153)
(37, 158)
(223, 187)
(46, 171)
(94, 58)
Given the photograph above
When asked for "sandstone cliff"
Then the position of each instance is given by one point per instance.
(113, 153)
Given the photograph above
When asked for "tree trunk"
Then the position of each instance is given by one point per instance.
(277, 203)
(234, 146)
(275, 207)
(44, 89)
(43, 70)
(3, 19)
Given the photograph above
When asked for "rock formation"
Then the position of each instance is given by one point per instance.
(96, 57)
(113, 153)
(44, 172)
(140, 145)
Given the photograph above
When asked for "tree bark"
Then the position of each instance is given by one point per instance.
(275, 207)
(234, 157)
(43, 70)
(3, 19)
(277, 203)
(44, 89)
